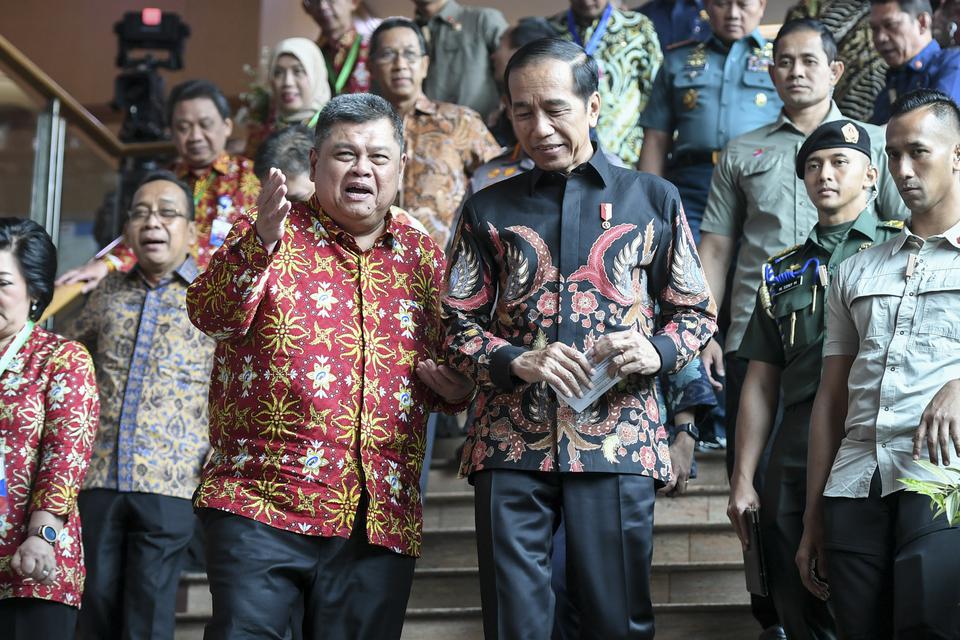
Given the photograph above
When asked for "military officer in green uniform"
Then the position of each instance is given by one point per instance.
(784, 342)
(705, 94)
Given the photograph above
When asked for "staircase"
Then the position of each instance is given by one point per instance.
(697, 580)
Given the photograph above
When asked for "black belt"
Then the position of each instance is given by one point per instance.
(691, 158)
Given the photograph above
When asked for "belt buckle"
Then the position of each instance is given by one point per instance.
(715, 156)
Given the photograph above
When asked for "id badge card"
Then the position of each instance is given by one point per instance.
(218, 232)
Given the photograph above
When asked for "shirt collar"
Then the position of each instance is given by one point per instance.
(757, 40)
(221, 165)
(187, 271)
(951, 235)
(865, 225)
(448, 14)
(425, 105)
(923, 59)
(596, 167)
(313, 209)
(783, 120)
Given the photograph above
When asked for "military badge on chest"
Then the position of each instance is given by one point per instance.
(761, 58)
(696, 62)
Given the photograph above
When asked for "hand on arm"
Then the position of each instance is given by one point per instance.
(451, 385)
(940, 425)
(758, 406)
(90, 274)
(826, 432)
(716, 253)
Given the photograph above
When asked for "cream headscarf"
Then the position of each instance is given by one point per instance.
(308, 53)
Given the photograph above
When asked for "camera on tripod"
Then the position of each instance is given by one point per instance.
(139, 89)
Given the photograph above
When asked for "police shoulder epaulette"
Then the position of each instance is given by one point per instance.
(891, 224)
(682, 43)
(783, 254)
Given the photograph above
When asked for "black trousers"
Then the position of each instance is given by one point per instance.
(134, 548)
(609, 545)
(763, 609)
(352, 590)
(36, 619)
(894, 571)
(801, 614)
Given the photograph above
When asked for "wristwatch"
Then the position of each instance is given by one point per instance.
(47, 533)
(685, 427)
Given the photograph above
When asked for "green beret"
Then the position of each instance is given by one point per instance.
(834, 135)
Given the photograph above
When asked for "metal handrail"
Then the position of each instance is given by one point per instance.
(27, 74)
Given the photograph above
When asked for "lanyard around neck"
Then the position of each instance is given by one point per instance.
(347, 69)
(14, 347)
(601, 29)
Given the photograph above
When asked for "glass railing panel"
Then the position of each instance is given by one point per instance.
(18, 126)
(87, 215)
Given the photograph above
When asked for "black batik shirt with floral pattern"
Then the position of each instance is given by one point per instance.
(533, 265)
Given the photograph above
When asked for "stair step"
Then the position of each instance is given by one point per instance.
(719, 582)
(674, 622)
(715, 541)
(702, 503)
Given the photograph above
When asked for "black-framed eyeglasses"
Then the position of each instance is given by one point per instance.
(166, 214)
(412, 56)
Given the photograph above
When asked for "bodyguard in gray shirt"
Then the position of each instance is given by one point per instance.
(889, 393)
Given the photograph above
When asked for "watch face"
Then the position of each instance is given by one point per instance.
(49, 534)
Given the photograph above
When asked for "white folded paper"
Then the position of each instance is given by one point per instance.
(601, 381)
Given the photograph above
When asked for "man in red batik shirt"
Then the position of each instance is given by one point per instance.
(327, 316)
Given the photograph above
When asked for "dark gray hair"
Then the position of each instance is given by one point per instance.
(586, 73)
(163, 175)
(356, 108)
(396, 22)
(194, 89)
(287, 149)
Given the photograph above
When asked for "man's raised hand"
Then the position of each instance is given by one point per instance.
(272, 209)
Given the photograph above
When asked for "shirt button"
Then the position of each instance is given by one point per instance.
(886, 408)
(901, 333)
(911, 293)
(884, 445)
(893, 368)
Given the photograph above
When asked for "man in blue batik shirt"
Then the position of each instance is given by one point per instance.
(903, 36)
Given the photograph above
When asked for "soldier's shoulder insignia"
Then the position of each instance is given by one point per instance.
(891, 224)
(864, 246)
(786, 253)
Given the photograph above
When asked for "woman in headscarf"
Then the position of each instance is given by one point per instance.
(298, 87)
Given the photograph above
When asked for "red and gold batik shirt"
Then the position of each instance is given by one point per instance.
(314, 396)
(48, 418)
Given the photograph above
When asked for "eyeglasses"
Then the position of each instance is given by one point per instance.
(166, 215)
(385, 56)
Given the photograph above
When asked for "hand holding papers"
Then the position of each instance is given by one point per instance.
(600, 382)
